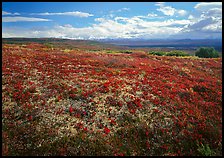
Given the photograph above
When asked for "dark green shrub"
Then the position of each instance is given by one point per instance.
(207, 52)
(157, 53)
(177, 53)
(126, 51)
(172, 53)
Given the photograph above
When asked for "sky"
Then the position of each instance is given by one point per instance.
(112, 20)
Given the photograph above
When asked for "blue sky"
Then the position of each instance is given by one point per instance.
(100, 20)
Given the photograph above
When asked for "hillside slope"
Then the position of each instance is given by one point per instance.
(73, 102)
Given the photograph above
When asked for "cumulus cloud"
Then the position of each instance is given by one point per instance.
(200, 24)
(209, 10)
(75, 13)
(182, 12)
(8, 13)
(190, 17)
(20, 18)
(152, 15)
(216, 12)
(215, 27)
(169, 11)
(206, 22)
(119, 27)
(204, 6)
(29, 33)
(209, 17)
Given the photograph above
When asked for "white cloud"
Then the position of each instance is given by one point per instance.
(99, 19)
(182, 12)
(152, 15)
(20, 18)
(111, 15)
(76, 14)
(23, 32)
(215, 12)
(120, 10)
(123, 9)
(119, 27)
(159, 4)
(209, 17)
(197, 35)
(138, 18)
(169, 11)
(204, 6)
(205, 21)
(200, 24)
(8, 13)
(190, 17)
(216, 27)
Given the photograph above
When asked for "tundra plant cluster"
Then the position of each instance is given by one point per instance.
(77, 102)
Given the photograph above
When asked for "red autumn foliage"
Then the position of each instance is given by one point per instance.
(179, 99)
(106, 130)
(70, 109)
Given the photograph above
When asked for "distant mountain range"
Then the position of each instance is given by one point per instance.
(181, 44)
(63, 43)
(190, 44)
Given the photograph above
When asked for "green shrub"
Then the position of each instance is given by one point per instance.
(172, 53)
(126, 51)
(207, 52)
(48, 45)
(110, 51)
(205, 150)
(177, 53)
(157, 53)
